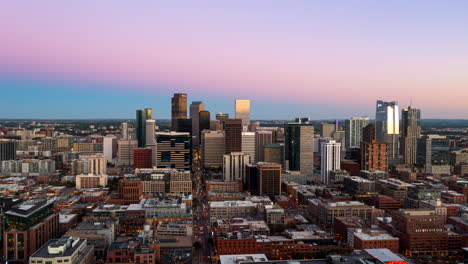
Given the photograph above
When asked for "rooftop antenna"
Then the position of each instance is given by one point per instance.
(411, 101)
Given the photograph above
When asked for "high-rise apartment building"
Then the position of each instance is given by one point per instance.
(330, 159)
(387, 127)
(195, 108)
(179, 109)
(374, 156)
(410, 132)
(262, 138)
(141, 117)
(212, 148)
(248, 144)
(7, 149)
(353, 130)
(299, 149)
(233, 135)
(174, 150)
(234, 166)
(243, 111)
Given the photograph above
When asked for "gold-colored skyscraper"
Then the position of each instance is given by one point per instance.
(243, 111)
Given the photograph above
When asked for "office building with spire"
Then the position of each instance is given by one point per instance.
(410, 133)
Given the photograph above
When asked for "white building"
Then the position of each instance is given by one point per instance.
(248, 144)
(110, 147)
(330, 159)
(234, 166)
(72, 250)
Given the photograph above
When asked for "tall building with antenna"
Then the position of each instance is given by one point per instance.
(410, 133)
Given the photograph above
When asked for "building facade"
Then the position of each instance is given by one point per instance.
(179, 110)
(174, 150)
(299, 149)
(387, 127)
(330, 159)
(141, 117)
(195, 108)
(233, 135)
(353, 130)
(234, 166)
(374, 156)
(410, 133)
(243, 111)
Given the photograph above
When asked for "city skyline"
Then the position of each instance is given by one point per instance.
(312, 59)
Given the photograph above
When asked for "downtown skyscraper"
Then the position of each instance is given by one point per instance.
(179, 110)
(410, 132)
(299, 147)
(387, 127)
(195, 108)
(243, 111)
(353, 131)
(141, 117)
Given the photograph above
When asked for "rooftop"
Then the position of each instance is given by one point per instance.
(232, 204)
(384, 255)
(373, 235)
(28, 207)
(235, 259)
(59, 247)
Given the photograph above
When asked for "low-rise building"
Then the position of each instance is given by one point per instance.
(231, 209)
(71, 250)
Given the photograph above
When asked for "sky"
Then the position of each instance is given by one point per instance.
(322, 59)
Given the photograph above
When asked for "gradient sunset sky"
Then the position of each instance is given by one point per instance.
(322, 59)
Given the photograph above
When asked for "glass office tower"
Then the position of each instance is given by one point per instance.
(141, 117)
